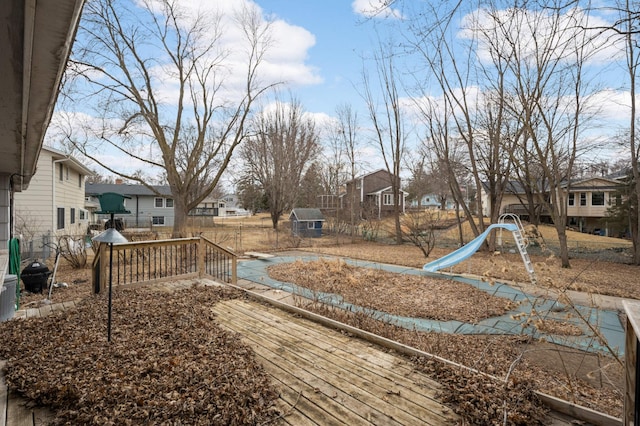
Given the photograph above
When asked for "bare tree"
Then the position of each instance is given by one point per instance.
(547, 69)
(349, 129)
(418, 184)
(284, 144)
(388, 123)
(159, 75)
(629, 28)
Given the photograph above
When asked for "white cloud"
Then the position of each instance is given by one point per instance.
(286, 53)
(529, 29)
(375, 9)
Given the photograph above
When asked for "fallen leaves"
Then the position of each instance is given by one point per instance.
(168, 362)
(398, 294)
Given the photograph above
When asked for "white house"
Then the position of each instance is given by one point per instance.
(53, 204)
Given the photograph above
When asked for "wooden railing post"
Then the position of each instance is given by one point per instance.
(631, 412)
(201, 254)
(234, 270)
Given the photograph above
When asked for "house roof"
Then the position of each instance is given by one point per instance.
(307, 215)
(577, 185)
(126, 189)
(368, 174)
(36, 41)
(385, 189)
(74, 162)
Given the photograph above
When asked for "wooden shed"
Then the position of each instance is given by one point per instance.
(306, 222)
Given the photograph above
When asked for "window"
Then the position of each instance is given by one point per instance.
(597, 198)
(572, 199)
(583, 198)
(387, 199)
(83, 214)
(72, 215)
(80, 179)
(310, 225)
(158, 220)
(169, 202)
(60, 218)
(61, 171)
(159, 202)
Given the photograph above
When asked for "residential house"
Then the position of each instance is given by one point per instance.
(373, 194)
(432, 202)
(35, 45)
(227, 206)
(53, 204)
(147, 208)
(232, 207)
(34, 48)
(587, 203)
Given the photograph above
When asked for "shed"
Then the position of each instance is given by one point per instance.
(306, 222)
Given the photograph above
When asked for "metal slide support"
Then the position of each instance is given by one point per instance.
(522, 242)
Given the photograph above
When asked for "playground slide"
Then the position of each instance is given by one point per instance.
(467, 250)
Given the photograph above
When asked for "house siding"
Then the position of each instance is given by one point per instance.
(369, 193)
(141, 205)
(36, 208)
(587, 217)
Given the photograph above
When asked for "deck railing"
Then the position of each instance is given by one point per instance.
(147, 261)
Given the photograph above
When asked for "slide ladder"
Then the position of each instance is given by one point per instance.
(521, 242)
(472, 246)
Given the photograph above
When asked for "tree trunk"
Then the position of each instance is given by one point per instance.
(179, 219)
(398, 227)
(564, 249)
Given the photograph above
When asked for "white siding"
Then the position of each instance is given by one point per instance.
(36, 208)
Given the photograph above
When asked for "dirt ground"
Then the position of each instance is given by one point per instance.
(591, 380)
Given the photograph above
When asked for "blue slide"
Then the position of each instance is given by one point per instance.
(467, 250)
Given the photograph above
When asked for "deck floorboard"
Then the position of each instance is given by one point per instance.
(339, 378)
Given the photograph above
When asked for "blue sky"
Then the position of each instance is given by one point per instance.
(319, 50)
(342, 39)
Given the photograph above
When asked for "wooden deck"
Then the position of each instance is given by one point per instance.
(327, 378)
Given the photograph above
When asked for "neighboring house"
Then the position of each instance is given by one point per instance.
(54, 202)
(226, 206)
(147, 207)
(372, 193)
(587, 203)
(233, 206)
(306, 222)
(432, 202)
